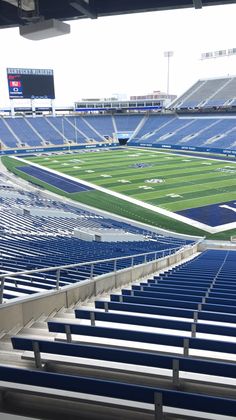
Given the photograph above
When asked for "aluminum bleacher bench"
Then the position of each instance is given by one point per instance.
(126, 356)
(175, 303)
(34, 381)
(166, 290)
(155, 301)
(184, 342)
(161, 310)
(146, 309)
(130, 319)
(155, 322)
(226, 300)
(158, 295)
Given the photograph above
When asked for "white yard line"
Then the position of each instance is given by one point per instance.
(139, 203)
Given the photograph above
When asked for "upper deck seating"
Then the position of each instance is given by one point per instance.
(207, 93)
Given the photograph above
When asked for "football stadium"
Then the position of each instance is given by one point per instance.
(118, 238)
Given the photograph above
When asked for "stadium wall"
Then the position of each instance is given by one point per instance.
(55, 149)
(215, 150)
(186, 148)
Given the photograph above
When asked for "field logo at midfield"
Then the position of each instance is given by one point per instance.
(154, 181)
(140, 165)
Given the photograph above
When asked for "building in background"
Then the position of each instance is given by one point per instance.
(155, 101)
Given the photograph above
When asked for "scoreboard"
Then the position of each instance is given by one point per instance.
(30, 83)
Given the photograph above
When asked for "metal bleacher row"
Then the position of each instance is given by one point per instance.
(36, 233)
(181, 320)
(53, 252)
(63, 220)
(45, 239)
(208, 93)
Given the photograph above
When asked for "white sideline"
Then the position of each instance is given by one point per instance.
(139, 203)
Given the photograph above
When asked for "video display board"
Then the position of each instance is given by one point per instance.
(30, 83)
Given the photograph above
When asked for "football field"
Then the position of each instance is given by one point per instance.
(176, 183)
(166, 180)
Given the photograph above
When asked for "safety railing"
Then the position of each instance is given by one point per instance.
(131, 260)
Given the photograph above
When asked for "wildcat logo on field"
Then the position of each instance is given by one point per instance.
(155, 181)
(140, 165)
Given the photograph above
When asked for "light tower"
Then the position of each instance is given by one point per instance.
(168, 55)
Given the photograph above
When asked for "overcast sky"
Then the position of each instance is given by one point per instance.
(124, 54)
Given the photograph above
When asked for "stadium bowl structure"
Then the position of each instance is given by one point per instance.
(117, 283)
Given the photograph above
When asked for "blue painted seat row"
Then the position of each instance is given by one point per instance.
(165, 306)
(119, 390)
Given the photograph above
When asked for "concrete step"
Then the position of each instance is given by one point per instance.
(39, 324)
(64, 315)
(36, 332)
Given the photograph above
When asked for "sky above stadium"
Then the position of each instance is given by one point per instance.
(125, 54)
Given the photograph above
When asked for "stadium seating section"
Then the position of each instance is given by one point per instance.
(29, 241)
(177, 327)
(170, 129)
(214, 132)
(208, 93)
(180, 325)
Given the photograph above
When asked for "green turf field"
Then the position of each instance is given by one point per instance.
(188, 182)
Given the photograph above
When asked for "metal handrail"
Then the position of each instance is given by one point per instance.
(60, 268)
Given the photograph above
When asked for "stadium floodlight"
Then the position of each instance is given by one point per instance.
(168, 55)
(197, 4)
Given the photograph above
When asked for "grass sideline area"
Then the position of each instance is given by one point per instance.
(187, 182)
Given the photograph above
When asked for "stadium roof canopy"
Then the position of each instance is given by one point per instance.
(19, 12)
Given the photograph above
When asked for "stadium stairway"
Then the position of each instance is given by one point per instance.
(72, 132)
(144, 354)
